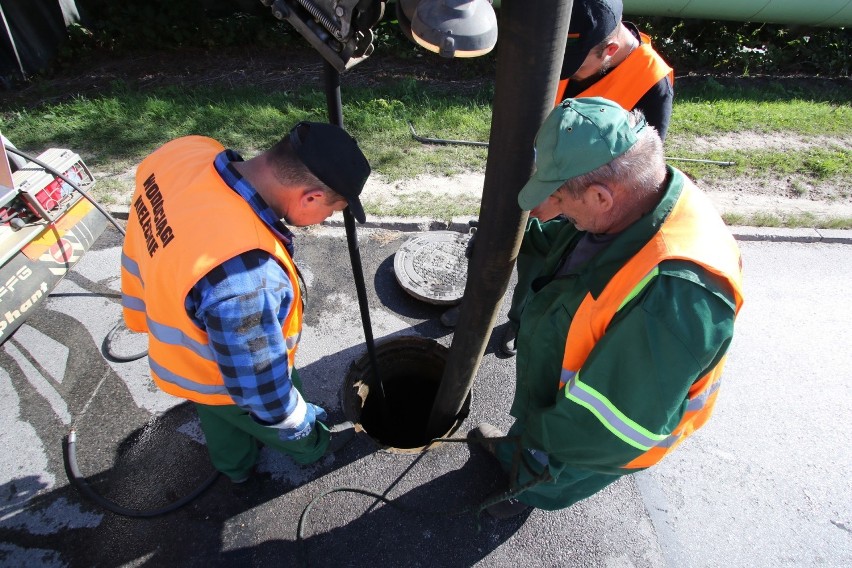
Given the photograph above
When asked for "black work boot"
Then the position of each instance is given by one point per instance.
(507, 343)
(507, 508)
(451, 317)
(481, 435)
(341, 435)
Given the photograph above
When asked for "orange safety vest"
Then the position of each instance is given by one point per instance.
(184, 222)
(693, 232)
(629, 80)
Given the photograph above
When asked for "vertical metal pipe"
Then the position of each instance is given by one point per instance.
(335, 116)
(530, 48)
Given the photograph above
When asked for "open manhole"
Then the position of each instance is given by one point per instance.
(432, 266)
(411, 369)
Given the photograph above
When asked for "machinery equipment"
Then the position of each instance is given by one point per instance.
(45, 227)
(340, 30)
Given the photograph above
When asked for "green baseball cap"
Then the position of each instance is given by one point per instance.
(578, 136)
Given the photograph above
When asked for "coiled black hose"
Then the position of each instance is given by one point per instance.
(69, 455)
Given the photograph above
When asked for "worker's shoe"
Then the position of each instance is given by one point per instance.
(451, 317)
(341, 435)
(244, 482)
(507, 343)
(507, 509)
(484, 435)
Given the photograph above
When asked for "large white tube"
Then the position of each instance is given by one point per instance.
(830, 13)
(827, 13)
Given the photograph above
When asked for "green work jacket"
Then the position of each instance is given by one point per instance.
(665, 339)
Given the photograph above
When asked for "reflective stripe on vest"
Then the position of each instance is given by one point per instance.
(179, 188)
(693, 232)
(629, 80)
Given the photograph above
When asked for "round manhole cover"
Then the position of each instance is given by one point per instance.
(433, 267)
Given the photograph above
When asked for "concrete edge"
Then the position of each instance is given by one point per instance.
(461, 224)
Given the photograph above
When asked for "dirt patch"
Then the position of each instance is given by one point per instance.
(740, 197)
(756, 140)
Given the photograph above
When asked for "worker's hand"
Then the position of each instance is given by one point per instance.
(316, 413)
(313, 413)
(474, 225)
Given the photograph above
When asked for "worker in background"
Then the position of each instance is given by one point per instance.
(630, 312)
(208, 273)
(604, 57)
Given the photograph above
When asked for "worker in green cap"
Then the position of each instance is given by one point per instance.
(629, 316)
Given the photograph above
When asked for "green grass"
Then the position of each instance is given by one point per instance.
(124, 124)
(117, 128)
(424, 204)
(818, 164)
(708, 107)
(791, 221)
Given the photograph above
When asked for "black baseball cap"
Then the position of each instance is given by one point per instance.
(591, 22)
(333, 156)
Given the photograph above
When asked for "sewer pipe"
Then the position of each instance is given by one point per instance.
(529, 57)
(825, 13)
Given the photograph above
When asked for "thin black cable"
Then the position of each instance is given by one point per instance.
(425, 140)
(477, 509)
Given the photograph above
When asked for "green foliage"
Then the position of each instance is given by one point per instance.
(145, 25)
(710, 46)
(691, 46)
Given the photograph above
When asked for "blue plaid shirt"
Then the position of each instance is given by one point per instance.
(241, 305)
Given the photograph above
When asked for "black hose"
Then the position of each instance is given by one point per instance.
(69, 454)
(426, 140)
(119, 358)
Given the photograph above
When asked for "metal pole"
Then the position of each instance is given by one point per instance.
(531, 47)
(335, 116)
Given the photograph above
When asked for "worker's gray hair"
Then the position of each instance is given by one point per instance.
(641, 170)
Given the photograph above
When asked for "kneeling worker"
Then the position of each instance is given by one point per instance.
(208, 273)
(630, 314)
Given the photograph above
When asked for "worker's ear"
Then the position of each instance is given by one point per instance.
(610, 49)
(311, 196)
(599, 197)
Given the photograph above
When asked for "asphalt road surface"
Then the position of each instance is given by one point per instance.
(764, 484)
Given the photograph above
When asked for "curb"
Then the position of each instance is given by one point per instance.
(461, 224)
(741, 233)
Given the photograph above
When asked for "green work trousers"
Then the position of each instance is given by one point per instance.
(234, 439)
(567, 486)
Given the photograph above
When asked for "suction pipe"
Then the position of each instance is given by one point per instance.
(530, 48)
